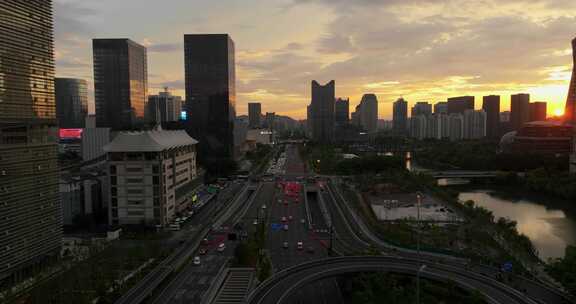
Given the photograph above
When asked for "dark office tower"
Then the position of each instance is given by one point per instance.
(211, 93)
(457, 105)
(400, 116)
(537, 111)
(322, 108)
(519, 110)
(369, 112)
(254, 114)
(341, 111)
(120, 83)
(441, 108)
(570, 110)
(491, 105)
(30, 211)
(71, 102)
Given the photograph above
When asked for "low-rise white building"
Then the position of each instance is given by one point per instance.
(151, 176)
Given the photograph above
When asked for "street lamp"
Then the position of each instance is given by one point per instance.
(419, 198)
(422, 267)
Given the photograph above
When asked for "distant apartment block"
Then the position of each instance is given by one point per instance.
(457, 105)
(519, 110)
(491, 105)
(342, 111)
(538, 111)
(254, 115)
(474, 124)
(400, 116)
(163, 108)
(421, 108)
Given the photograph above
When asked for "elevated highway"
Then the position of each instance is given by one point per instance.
(279, 288)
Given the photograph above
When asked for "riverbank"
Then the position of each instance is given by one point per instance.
(550, 224)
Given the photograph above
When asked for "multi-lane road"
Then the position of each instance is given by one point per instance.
(316, 214)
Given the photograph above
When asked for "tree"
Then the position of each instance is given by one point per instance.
(564, 269)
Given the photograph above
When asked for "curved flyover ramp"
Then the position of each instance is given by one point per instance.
(279, 287)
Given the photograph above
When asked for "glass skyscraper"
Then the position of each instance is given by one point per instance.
(211, 93)
(71, 102)
(30, 209)
(120, 83)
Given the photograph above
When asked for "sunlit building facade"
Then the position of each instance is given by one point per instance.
(120, 83)
(30, 205)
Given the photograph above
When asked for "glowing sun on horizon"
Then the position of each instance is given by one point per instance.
(558, 112)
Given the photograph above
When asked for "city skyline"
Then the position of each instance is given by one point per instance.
(446, 57)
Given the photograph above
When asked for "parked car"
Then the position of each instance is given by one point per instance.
(300, 246)
(285, 227)
(196, 260)
(202, 251)
(285, 245)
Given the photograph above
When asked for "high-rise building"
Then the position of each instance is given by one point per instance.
(570, 110)
(270, 119)
(150, 183)
(210, 76)
(120, 83)
(322, 110)
(421, 108)
(441, 108)
(474, 124)
(519, 110)
(538, 111)
(254, 114)
(418, 126)
(163, 107)
(400, 116)
(30, 206)
(71, 102)
(491, 105)
(460, 104)
(456, 126)
(341, 111)
(369, 113)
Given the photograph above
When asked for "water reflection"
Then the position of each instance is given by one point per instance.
(550, 230)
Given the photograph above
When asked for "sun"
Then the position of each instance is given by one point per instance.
(558, 112)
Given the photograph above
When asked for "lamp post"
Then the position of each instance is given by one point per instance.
(419, 198)
(418, 283)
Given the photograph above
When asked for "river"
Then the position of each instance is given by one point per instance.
(549, 223)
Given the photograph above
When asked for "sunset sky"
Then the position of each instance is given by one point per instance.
(423, 50)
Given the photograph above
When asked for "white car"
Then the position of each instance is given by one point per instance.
(255, 222)
(300, 246)
(286, 227)
(196, 260)
(303, 221)
(285, 245)
(221, 247)
(283, 219)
